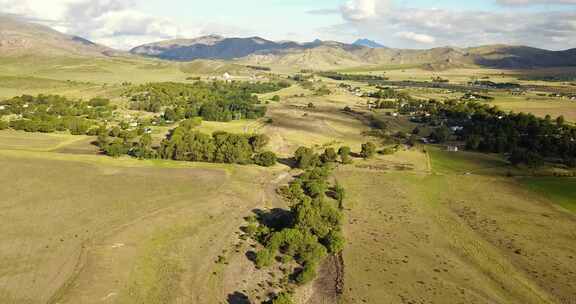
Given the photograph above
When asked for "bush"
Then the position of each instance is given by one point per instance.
(264, 258)
(282, 298)
(344, 153)
(116, 149)
(306, 158)
(3, 125)
(368, 150)
(329, 156)
(306, 275)
(265, 159)
(387, 151)
(334, 242)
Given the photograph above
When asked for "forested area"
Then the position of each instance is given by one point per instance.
(525, 137)
(184, 143)
(51, 113)
(213, 101)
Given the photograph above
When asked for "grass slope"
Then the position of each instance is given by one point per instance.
(83, 229)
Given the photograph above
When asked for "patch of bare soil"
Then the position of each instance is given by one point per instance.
(329, 285)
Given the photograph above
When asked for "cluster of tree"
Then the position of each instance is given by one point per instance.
(259, 68)
(472, 96)
(306, 158)
(184, 143)
(551, 78)
(351, 77)
(439, 79)
(310, 230)
(495, 85)
(213, 101)
(525, 137)
(389, 98)
(51, 113)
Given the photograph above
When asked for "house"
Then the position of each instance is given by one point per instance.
(452, 148)
(227, 77)
(456, 128)
(2, 108)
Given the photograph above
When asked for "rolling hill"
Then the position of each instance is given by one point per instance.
(19, 38)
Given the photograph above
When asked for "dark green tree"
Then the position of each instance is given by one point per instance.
(368, 150)
(265, 159)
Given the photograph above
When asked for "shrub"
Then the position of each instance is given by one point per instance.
(265, 159)
(368, 150)
(329, 156)
(306, 158)
(306, 275)
(264, 258)
(282, 298)
(344, 153)
(334, 242)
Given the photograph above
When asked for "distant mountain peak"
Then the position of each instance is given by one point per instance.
(368, 43)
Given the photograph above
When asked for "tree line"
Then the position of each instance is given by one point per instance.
(351, 77)
(527, 139)
(184, 143)
(213, 101)
(311, 229)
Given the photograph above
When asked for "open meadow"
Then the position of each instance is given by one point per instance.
(447, 237)
(422, 225)
(86, 229)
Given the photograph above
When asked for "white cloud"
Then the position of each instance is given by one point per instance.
(361, 10)
(413, 27)
(115, 23)
(420, 38)
(536, 2)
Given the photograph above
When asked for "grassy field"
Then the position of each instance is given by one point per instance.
(561, 191)
(83, 230)
(421, 227)
(19, 140)
(539, 106)
(448, 238)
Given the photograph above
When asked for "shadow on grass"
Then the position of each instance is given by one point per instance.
(238, 298)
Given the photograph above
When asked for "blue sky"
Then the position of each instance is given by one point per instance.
(396, 23)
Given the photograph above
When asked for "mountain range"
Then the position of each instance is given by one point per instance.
(368, 43)
(18, 38)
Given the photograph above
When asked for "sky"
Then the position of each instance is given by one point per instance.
(124, 24)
